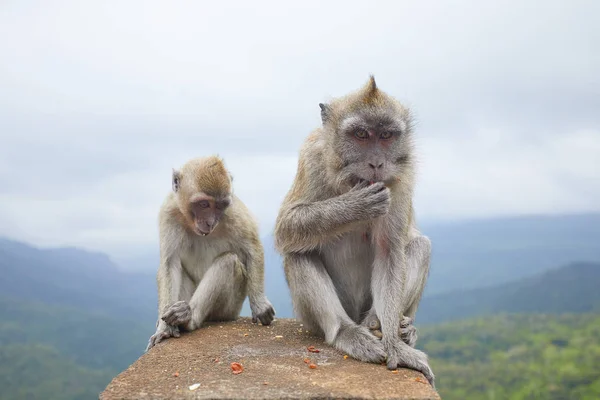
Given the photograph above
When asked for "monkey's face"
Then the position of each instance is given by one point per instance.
(203, 190)
(206, 212)
(372, 146)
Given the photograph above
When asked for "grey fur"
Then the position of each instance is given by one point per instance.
(207, 278)
(352, 252)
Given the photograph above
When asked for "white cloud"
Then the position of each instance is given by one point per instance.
(98, 100)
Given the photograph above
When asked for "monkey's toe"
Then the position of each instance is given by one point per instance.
(409, 335)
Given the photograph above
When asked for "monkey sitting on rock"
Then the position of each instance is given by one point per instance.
(354, 260)
(211, 256)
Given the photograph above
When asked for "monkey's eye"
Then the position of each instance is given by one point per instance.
(204, 204)
(386, 135)
(361, 134)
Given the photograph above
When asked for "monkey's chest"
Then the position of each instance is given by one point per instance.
(199, 257)
(350, 259)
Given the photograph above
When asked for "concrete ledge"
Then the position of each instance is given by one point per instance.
(273, 358)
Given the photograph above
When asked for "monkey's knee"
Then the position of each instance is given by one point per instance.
(418, 252)
(231, 262)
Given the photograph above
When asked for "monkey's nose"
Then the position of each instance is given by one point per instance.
(375, 165)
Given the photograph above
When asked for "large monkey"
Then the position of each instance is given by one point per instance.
(211, 256)
(353, 257)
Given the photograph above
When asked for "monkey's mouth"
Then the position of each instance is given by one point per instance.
(201, 232)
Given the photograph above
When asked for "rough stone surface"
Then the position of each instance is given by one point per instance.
(273, 358)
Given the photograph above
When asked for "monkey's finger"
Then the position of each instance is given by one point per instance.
(266, 318)
(254, 319)
(373, 323)
(382, 196)
(406, 321)
(360, 186)
(376, 187)
(176, 333)
(169, 318)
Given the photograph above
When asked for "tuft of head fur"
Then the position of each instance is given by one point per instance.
(368, 100)
(206, 174)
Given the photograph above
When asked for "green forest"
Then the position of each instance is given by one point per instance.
(525, 356)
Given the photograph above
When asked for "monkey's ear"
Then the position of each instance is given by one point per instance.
(325, 112)
(176, 180)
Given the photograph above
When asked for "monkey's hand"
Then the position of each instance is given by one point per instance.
(179, 313)
(368, 201)
(263, 311)
(163, 332)
(408, 332)
(400, 355)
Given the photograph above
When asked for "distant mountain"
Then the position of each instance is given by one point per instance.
(479, 253)
(570, 289)
(75, 277)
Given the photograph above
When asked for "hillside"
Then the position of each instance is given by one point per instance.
(517, 357)
(75, 277)
(59, 349)
(40, 372)
(486, 252)
(570, 289)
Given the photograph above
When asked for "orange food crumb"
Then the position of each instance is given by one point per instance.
(345, 356)
(312, 349)
(420, 380)
(395, 371)
(312, 366)
(176, 374)
(237, 368)
(306, 360)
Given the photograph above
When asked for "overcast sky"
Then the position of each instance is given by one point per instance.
(100, 99)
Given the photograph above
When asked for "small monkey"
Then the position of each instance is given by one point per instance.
(211, 256)
(354, 259)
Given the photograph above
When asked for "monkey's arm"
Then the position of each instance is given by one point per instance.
(303, 226)
(389, 290)
(261, 307)
(168, 280)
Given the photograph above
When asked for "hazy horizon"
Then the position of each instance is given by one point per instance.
(91, 124)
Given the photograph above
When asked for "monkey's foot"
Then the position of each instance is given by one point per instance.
(263, 312)
(400, 355)
(162, 333)
(359, 343)
(179, 313)
(407, 332)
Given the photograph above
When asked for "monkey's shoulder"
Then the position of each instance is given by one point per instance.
(313, 146)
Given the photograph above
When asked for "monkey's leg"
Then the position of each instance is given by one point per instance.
(418, 254)
(316, 303)
(221, 291)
